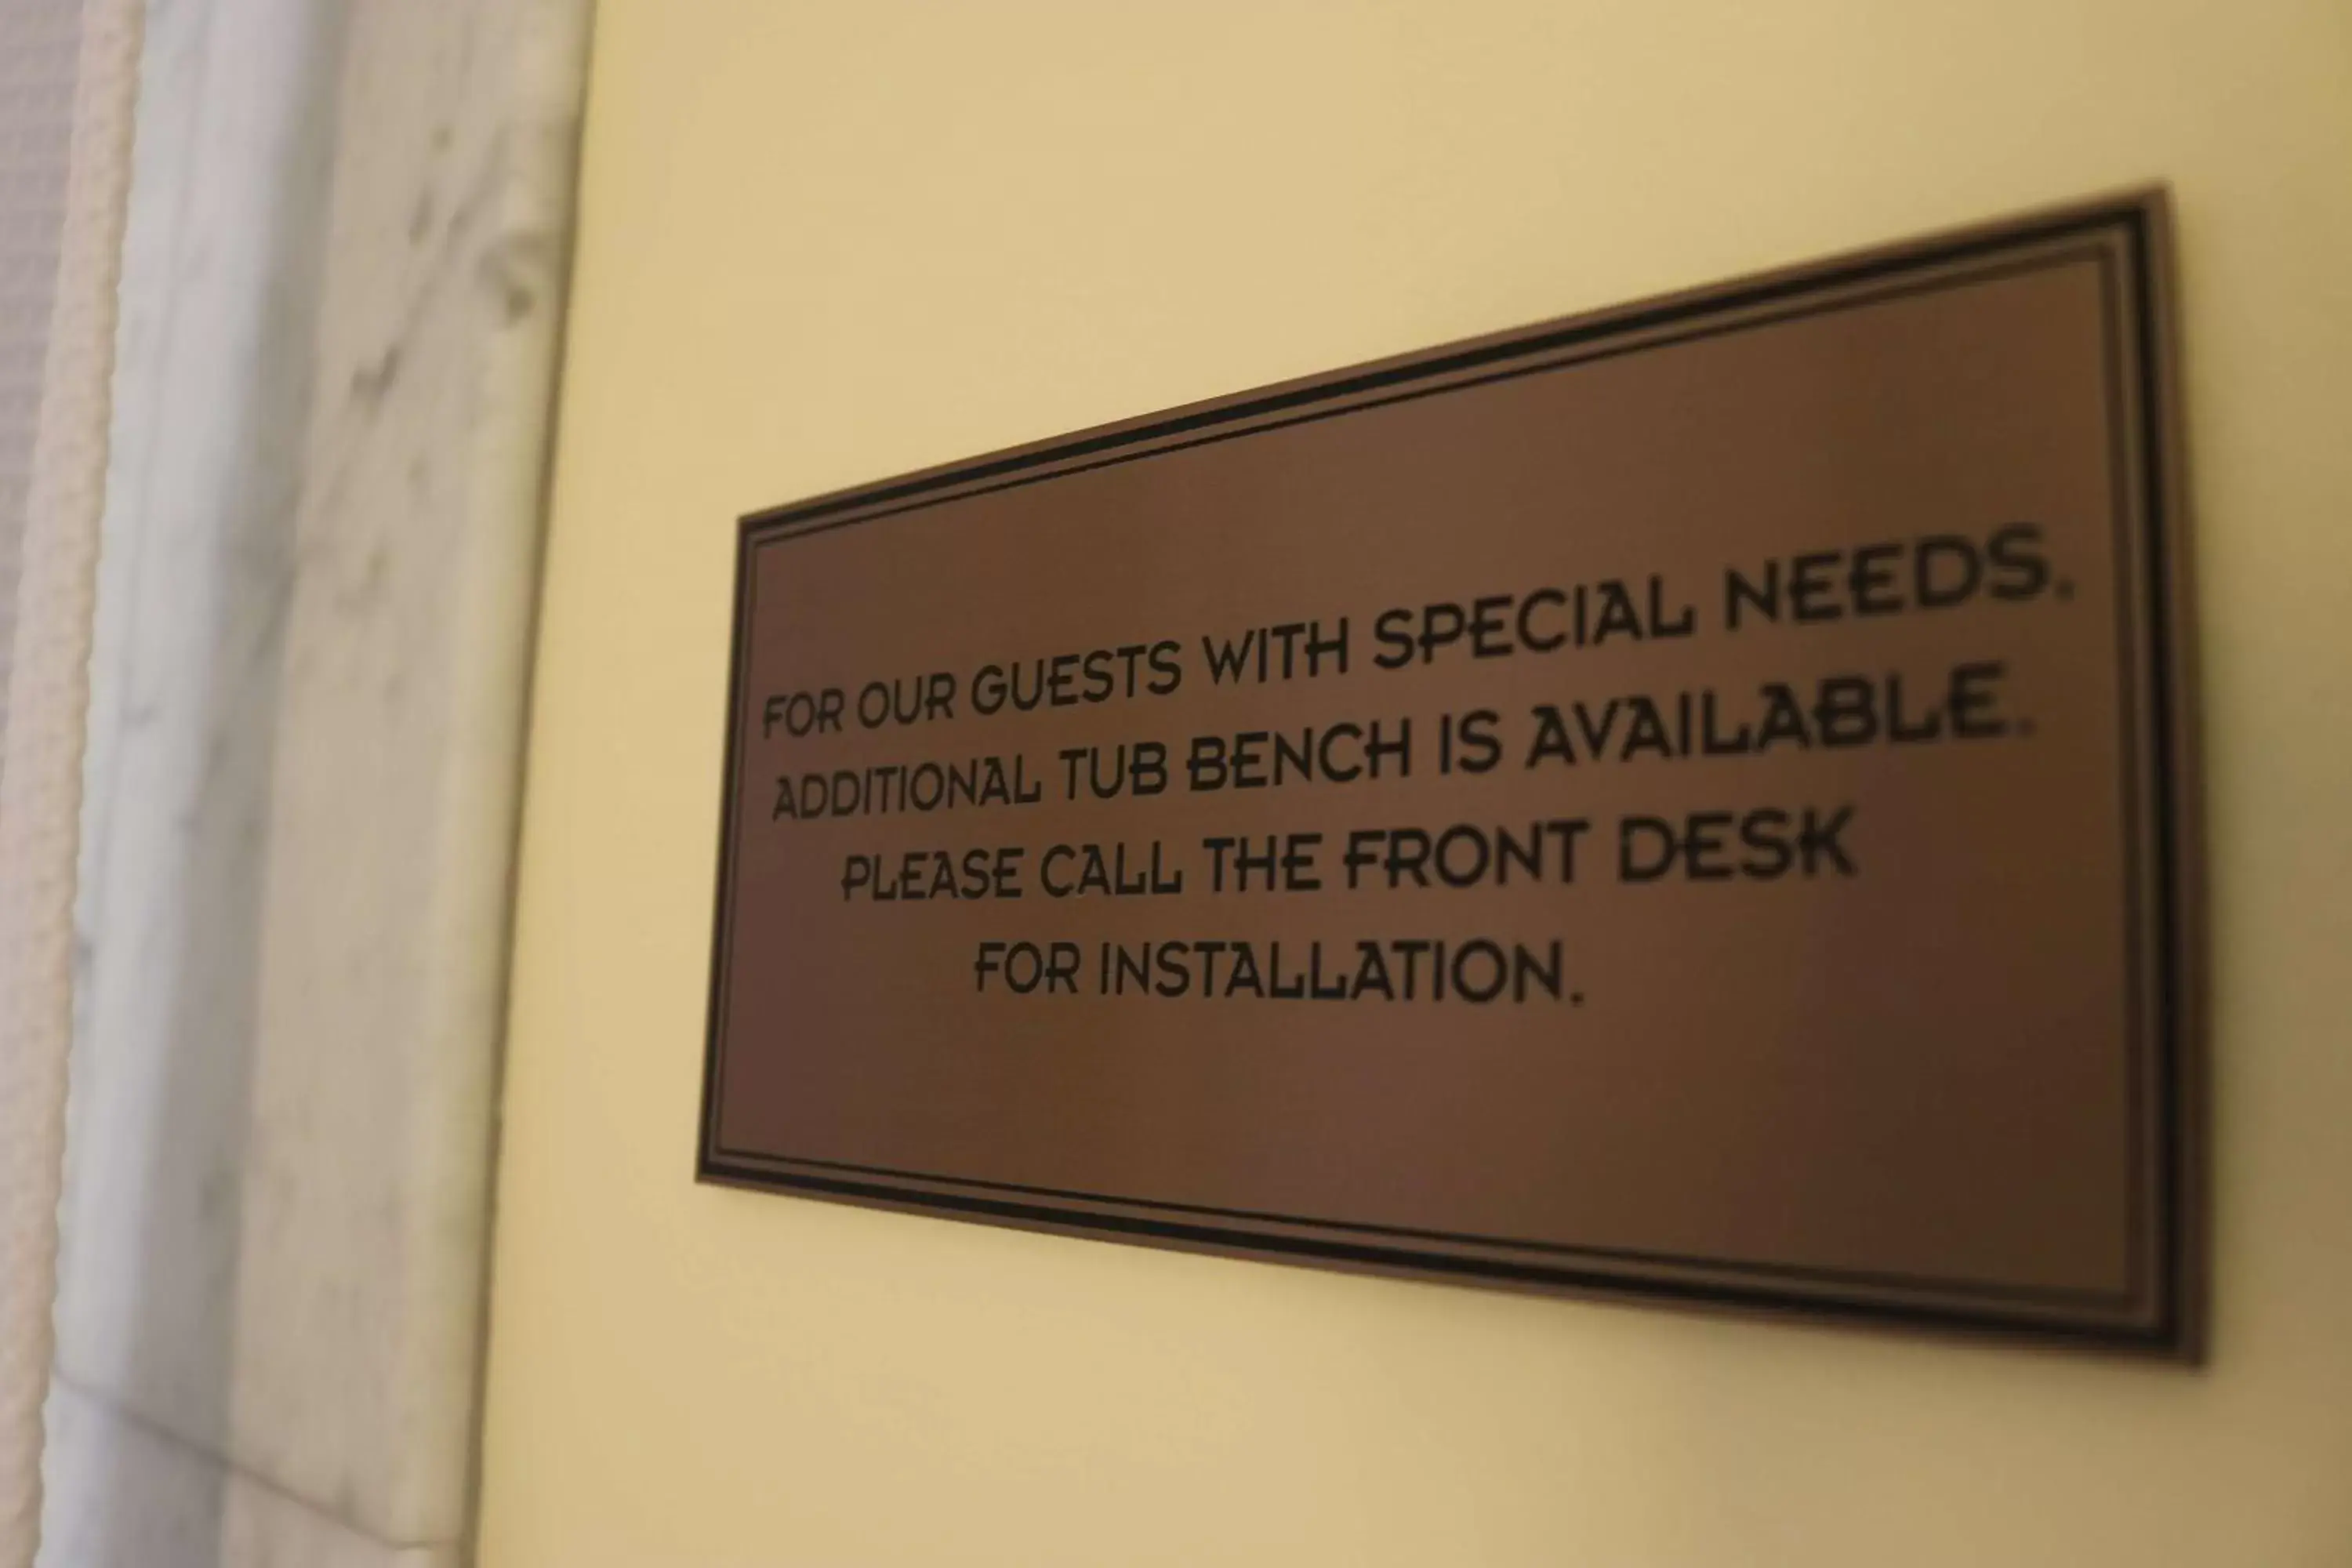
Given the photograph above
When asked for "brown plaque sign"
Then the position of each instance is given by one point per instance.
(1692, 801)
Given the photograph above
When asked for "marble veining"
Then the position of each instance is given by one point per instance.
(340, 298)
(135, 1496)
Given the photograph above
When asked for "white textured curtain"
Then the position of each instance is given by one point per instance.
(60, 245)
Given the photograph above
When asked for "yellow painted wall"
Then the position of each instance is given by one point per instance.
(824, 243)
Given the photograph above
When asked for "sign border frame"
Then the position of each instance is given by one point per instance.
(2157, 624)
